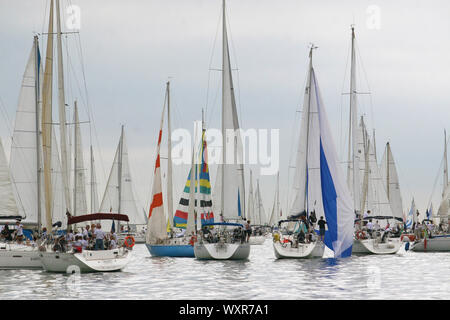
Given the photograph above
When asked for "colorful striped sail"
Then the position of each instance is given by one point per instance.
(204, 193)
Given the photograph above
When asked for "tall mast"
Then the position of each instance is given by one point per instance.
(46, 121)
(388, 174)
(62, 111)
(169, 158)
(445, 165)
(305, 204)
(224, 140)
(120, 177)
(38, 144)
(75, 158)
(354, 129)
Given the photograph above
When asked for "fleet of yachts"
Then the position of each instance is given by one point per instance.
(360, 205)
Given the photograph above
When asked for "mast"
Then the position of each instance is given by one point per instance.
(47, 121)
(38, 145)
(62, 111)
(354, 129)
(388, 161)
(119, 171)
(169, 159)
(224, 148)
(305, 204)
(445, 185)
(75, 159)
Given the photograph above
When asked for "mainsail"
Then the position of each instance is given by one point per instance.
(25, 155)
(8, 205)
(119, 195)
(391, 182)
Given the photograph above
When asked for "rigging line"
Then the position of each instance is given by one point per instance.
(237, 69)
(295, 134)
(210, 66)
(342, 141)
(368, 85)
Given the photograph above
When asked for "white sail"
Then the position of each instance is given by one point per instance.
(251, 201)
(443, 211)
(119, 195)
(26, 144)
(260, 213)
(307, 182)
(8, 205)
(93, 186)
(79, 198)
(391, 182)
(379, 204)
(59, 206)
(232, 193)
(275, 216)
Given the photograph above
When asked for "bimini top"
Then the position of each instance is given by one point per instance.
(380, 218)
(98, 216)
(222, 224)
(289, 220)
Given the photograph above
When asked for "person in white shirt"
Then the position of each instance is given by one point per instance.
(19, 232)
(84, 243)
(99, 236)
(112, 244)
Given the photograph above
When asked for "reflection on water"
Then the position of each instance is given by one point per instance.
(406, 275)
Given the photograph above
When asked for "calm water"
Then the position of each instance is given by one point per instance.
(406, 275)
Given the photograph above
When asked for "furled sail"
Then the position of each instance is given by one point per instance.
(79, 199)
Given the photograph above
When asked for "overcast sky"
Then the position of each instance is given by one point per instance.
(131, 48)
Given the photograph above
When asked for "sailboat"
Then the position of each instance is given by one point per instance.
(318, 187)
(157, 240)
(439, 241)
(119, 196)
(227, 243)
(364, 180)
(260, 223)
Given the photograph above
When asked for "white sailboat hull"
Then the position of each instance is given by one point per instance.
(86, 261)
(221, 251)
(257, 240)
(303, 251)
(372, 246)
(435, 244)
(15, 256)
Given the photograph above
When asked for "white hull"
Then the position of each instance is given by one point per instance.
(372, 246)
(14, 256)
(436, 244)
(87, 261)
(257, 240)
(303, 251)
(221, 251)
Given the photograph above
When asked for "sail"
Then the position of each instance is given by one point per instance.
(156, 224)
(251, 201)
(80, 202)
(59, 206)
(181, 214)
(391, 182)
(46, 122)
(8, 205)
(119, 194)
(336, 199)
(62, 116)
(94, 193)
(204, 195)
(259, 207)
(26, 144)
(275, 216)
(379, 204)
(232, 189)
(410, 219)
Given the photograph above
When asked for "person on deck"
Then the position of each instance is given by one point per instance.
(19, 232)
(322, 224)
(99, 237)
(248, 230)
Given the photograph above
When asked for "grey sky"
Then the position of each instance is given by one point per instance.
(131, 48)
